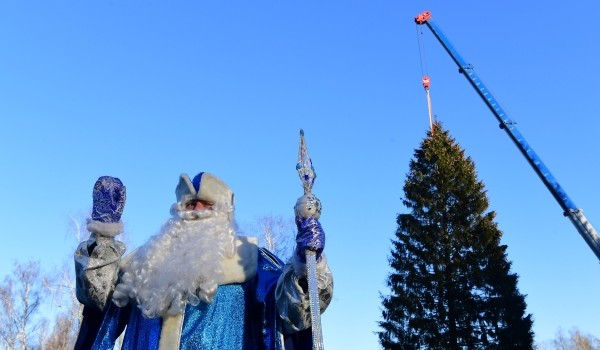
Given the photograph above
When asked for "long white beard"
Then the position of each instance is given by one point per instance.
(180, 265)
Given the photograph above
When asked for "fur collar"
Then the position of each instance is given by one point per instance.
(242, 266)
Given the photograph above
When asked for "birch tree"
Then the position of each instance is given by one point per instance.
(20, 301)
(277, 234)
(574, 340)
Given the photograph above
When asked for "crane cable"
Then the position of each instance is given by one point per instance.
(425, 80)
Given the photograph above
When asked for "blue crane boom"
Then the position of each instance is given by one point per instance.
(583, 226)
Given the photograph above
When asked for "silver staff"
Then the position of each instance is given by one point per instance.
(307, 177)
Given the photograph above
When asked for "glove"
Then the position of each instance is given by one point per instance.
(310, 237)
(108, 199)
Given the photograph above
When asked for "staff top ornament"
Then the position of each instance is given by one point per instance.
(308, 205)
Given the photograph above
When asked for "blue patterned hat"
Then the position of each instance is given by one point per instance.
(109, 199)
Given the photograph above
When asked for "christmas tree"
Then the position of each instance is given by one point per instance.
(451, 285)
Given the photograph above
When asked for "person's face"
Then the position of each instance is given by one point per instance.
(198, 204)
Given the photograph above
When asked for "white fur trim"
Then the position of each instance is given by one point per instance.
(126, 258)
(242, 266)
(105, 229)
(214, 190)
(184, 188)
(170, 333)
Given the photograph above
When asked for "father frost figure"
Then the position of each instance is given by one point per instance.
(196, 284)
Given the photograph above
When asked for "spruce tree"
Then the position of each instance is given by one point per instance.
(451, 284)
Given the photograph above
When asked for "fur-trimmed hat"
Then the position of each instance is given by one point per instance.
(206, 187)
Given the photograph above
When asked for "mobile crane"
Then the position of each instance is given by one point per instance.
(583, 226)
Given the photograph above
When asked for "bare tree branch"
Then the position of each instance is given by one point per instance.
(60, 287)
(575, 340)
(20, 300)
(276, 234)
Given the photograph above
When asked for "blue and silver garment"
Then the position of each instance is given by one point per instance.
(242, 316)
(109, 199)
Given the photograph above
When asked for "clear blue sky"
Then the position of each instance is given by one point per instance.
(145, 90)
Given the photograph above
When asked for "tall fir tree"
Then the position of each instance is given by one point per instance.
(451, 284)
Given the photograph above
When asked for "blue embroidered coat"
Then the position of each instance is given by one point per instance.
(243, 316)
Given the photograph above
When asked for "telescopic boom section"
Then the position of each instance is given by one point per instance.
(575, 214)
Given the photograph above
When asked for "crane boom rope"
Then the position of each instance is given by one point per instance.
(425, 80)
(583, 226)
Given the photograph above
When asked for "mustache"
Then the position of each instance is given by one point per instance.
(195, 214)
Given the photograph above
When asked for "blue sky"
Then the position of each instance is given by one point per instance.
(146, 90)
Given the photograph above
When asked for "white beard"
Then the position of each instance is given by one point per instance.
(180, 265)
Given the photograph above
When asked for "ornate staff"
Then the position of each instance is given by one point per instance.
(309, 206)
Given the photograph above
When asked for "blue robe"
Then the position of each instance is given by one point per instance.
(243, 316)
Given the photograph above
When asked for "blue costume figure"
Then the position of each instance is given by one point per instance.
(196, 284)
